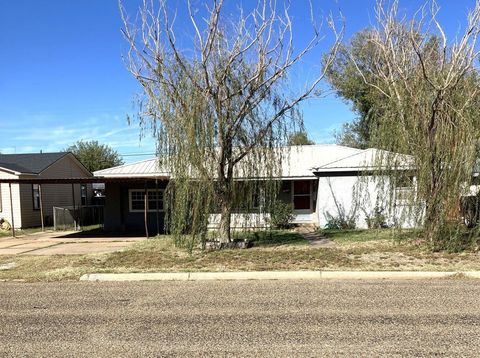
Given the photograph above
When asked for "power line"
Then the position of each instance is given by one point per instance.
(137, 154)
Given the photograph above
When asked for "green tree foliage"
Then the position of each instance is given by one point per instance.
(95, 156)
(347, 81)
(300, 138)
(429, 109)
(217, 95)
(355, 134)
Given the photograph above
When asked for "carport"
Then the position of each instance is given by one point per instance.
(145, 182)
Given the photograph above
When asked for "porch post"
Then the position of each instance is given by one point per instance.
(122, 207)
(156, 194)
(73, 203)
(41, 206)
(11, 209)
(145, 201)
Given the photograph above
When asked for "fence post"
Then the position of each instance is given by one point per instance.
(64, 220)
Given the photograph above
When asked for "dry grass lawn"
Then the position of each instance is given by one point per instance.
(354, 250)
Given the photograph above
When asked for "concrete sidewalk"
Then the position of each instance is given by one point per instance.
(63, 243)
(277, 275)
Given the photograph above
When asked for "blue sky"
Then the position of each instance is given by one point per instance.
(62, 78)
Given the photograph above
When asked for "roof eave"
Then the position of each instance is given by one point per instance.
(14, 172)
(132, 176)
(10, 171)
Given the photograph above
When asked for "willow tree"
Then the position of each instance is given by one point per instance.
(430, 88)
(216, 92)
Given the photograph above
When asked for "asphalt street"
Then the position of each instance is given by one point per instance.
(241, 318)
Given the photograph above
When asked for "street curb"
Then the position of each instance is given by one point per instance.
(276, 275)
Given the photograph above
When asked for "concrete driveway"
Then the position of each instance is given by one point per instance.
(64, 243)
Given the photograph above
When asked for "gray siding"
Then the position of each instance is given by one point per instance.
(54, 194)
(118, 216)
(112, 211)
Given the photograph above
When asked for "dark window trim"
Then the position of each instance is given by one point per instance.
(33, 197)
(310, 195)
(83, 190)
(131, 210)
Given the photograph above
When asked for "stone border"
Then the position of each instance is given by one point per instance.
(276, 275)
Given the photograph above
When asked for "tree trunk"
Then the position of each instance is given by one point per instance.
(432, 220)
(224, 189)
(225, 222)
(224, 199)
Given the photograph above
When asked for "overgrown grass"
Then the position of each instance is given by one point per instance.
(359, 235)
(159, 255)
(276, 250)
(467, 240)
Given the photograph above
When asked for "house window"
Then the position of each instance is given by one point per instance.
(404, 189)
(256, 198)
(155, 200)
(302, 194)
(36, 196)
(247, 196)
(83, 194)
(137, 200)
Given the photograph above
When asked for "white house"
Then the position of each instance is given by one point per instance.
(319, 180)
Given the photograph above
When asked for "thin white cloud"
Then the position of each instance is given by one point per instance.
(51, 133)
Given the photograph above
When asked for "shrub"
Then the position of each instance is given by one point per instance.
(377, 220)
(340, 222)
(281, 215)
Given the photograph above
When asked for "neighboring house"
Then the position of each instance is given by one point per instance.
(26, 197)
(319, 180)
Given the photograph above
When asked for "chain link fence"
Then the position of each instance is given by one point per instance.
(77, 218)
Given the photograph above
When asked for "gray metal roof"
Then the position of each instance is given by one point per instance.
(297, 162)
(32, 163)
(371, 158)
(144, 168)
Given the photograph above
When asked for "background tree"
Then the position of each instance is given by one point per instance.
(355, 134)
(95, 156)
(219, 102)
(429, 109)
(300, 138)
(346, 79)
